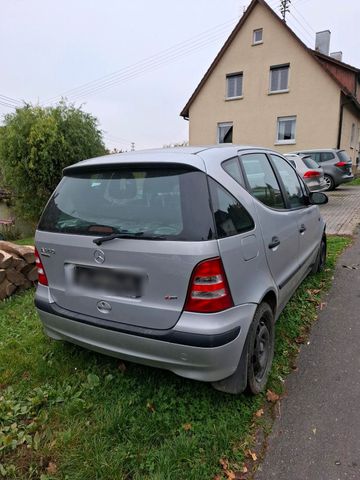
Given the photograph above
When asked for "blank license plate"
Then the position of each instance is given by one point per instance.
(108, 281)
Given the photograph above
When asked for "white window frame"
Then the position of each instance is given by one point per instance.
(278, 67)
(222, 124)
(257, 42)
(291, 141)
(229, 75)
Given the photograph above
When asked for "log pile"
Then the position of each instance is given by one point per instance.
(17, 268)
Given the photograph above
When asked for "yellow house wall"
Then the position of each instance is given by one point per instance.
(349, 118)
(313, 97)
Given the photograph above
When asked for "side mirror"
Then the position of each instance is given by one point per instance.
(318, 198)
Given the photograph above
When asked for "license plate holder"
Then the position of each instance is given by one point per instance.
(108, 281)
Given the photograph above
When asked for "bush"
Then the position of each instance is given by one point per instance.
(36, 143)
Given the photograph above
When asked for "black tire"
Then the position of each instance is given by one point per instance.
(261, 340)
(320, 262)
(244, 377)
(330, 183)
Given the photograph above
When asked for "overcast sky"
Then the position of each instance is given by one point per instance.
(50, 47)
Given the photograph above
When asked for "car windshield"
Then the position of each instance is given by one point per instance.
(310, 163)
(343, 156)
(163, 202)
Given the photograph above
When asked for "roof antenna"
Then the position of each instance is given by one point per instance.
(284, 8)
(242, 10)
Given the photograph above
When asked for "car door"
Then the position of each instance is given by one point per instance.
(278, 224)
(307, 216)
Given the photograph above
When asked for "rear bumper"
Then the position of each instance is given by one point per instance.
(342, 178)
(180, 350)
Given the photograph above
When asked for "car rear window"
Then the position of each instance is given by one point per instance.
(158, 202)
(310, 163)
(343, 156)
(314, 155)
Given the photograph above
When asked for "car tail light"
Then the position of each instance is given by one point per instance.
(40, 268)
(208, 290)
(311, 174)
(341, 164)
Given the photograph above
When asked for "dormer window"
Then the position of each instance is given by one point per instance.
(258, 36)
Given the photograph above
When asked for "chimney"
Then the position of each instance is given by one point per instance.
(337, 56)
(322, 43)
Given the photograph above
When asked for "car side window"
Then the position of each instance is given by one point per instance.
(232, 167)
(231, 218)
(291, 182)
(261, 180)
(325, 156)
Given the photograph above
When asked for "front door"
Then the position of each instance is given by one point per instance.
(306, 216)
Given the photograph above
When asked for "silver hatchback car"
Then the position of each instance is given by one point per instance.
(309, 171)
(178, 258)
(336, 164)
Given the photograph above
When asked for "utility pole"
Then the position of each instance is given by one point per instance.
(284, 8)
(132, 146)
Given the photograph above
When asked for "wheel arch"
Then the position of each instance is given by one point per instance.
(270, 298)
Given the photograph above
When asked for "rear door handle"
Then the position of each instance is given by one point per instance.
(302, 228)
(275, 242)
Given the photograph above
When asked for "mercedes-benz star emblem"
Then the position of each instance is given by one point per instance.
(99, 256)
(103, 307)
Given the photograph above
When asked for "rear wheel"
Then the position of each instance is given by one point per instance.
(260, 349)
(330, 184)
(255, 362)
(320, 262)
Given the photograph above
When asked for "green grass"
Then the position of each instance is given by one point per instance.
(356, 181)
(68, 413)
(25, 241)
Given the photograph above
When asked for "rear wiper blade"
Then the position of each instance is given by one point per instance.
(137, 235)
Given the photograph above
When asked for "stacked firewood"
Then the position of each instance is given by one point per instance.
(17, 268)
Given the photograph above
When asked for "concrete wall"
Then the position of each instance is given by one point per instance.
(313, 97)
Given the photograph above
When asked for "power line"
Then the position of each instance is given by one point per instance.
(309, 35)
(199, 39)
(5, 98)
(147, 68)
(131, 71)
(304, 19)
(6, 104)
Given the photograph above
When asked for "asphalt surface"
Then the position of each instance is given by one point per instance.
(316, 435)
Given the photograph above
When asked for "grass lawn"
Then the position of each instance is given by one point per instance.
(68, 413)
(356, 181)
(25, 241)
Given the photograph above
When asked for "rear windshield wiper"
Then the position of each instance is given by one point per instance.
(137, 235)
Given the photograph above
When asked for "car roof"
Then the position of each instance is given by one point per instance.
(197, 156)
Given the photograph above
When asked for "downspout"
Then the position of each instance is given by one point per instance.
(340, 122)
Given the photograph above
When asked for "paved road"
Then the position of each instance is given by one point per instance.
(317, 435)
(342, 213)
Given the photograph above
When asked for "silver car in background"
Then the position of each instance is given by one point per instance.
(178, 258)
(336, 164)
(309, 171)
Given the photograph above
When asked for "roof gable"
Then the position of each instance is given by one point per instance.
(316, 56)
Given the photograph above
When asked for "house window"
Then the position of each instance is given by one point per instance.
(258, 36)
(225, 132)
(286, 129)
(279, 78)
(234, 85)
